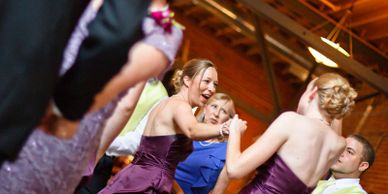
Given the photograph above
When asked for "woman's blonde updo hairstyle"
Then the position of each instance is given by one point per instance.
(336, 96)
(191, 69)
(217, 96)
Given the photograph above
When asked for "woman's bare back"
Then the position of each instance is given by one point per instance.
(312, 146)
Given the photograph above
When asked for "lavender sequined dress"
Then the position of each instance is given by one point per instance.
(167, 42)
(153, 168)
(48, 164)
(275, 177)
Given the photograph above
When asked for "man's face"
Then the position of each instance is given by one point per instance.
(350, 162)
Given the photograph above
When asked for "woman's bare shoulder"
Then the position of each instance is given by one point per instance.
(177, 106)
(287, 120)
(174, 102)
(289, 116)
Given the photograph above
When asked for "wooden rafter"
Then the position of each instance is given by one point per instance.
(353, 67)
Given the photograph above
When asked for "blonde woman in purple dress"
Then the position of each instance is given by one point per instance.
(299, 147)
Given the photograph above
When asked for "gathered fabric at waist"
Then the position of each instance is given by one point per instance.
(275, 177)
(148, 159)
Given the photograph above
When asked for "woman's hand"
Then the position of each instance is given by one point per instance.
(238, 124)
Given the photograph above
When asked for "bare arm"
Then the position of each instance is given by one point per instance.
(129, 143)
(120, 117)
(189, 125)
(239, 164)
(145, 61)
(222, 183)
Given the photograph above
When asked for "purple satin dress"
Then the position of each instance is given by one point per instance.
(153, 169)
(275, 177)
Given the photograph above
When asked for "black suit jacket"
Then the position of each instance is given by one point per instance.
(116, 27)
(33, 35)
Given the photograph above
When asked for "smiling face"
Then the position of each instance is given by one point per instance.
(218, 111)
(350, 164)
(202, 86)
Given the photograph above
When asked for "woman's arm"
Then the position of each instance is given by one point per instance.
(120, 117)
(189, 125)
(144, 61)
(239, 164)
(222, 182)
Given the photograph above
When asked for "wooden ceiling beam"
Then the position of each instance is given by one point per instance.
(253, 51)
(278, 44)
(225, 31)
(208, 21)
(359, 20)
(383, 45)
(353, 67)
(245, 41)
(349, 5)
(181, 3)
(367, 45)
(268, 68)
(331, 5)
(193, 10)
(377, 32)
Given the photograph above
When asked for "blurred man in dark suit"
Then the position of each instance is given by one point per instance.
(33, 35)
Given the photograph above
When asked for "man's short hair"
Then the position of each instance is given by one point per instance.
(368, 153)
